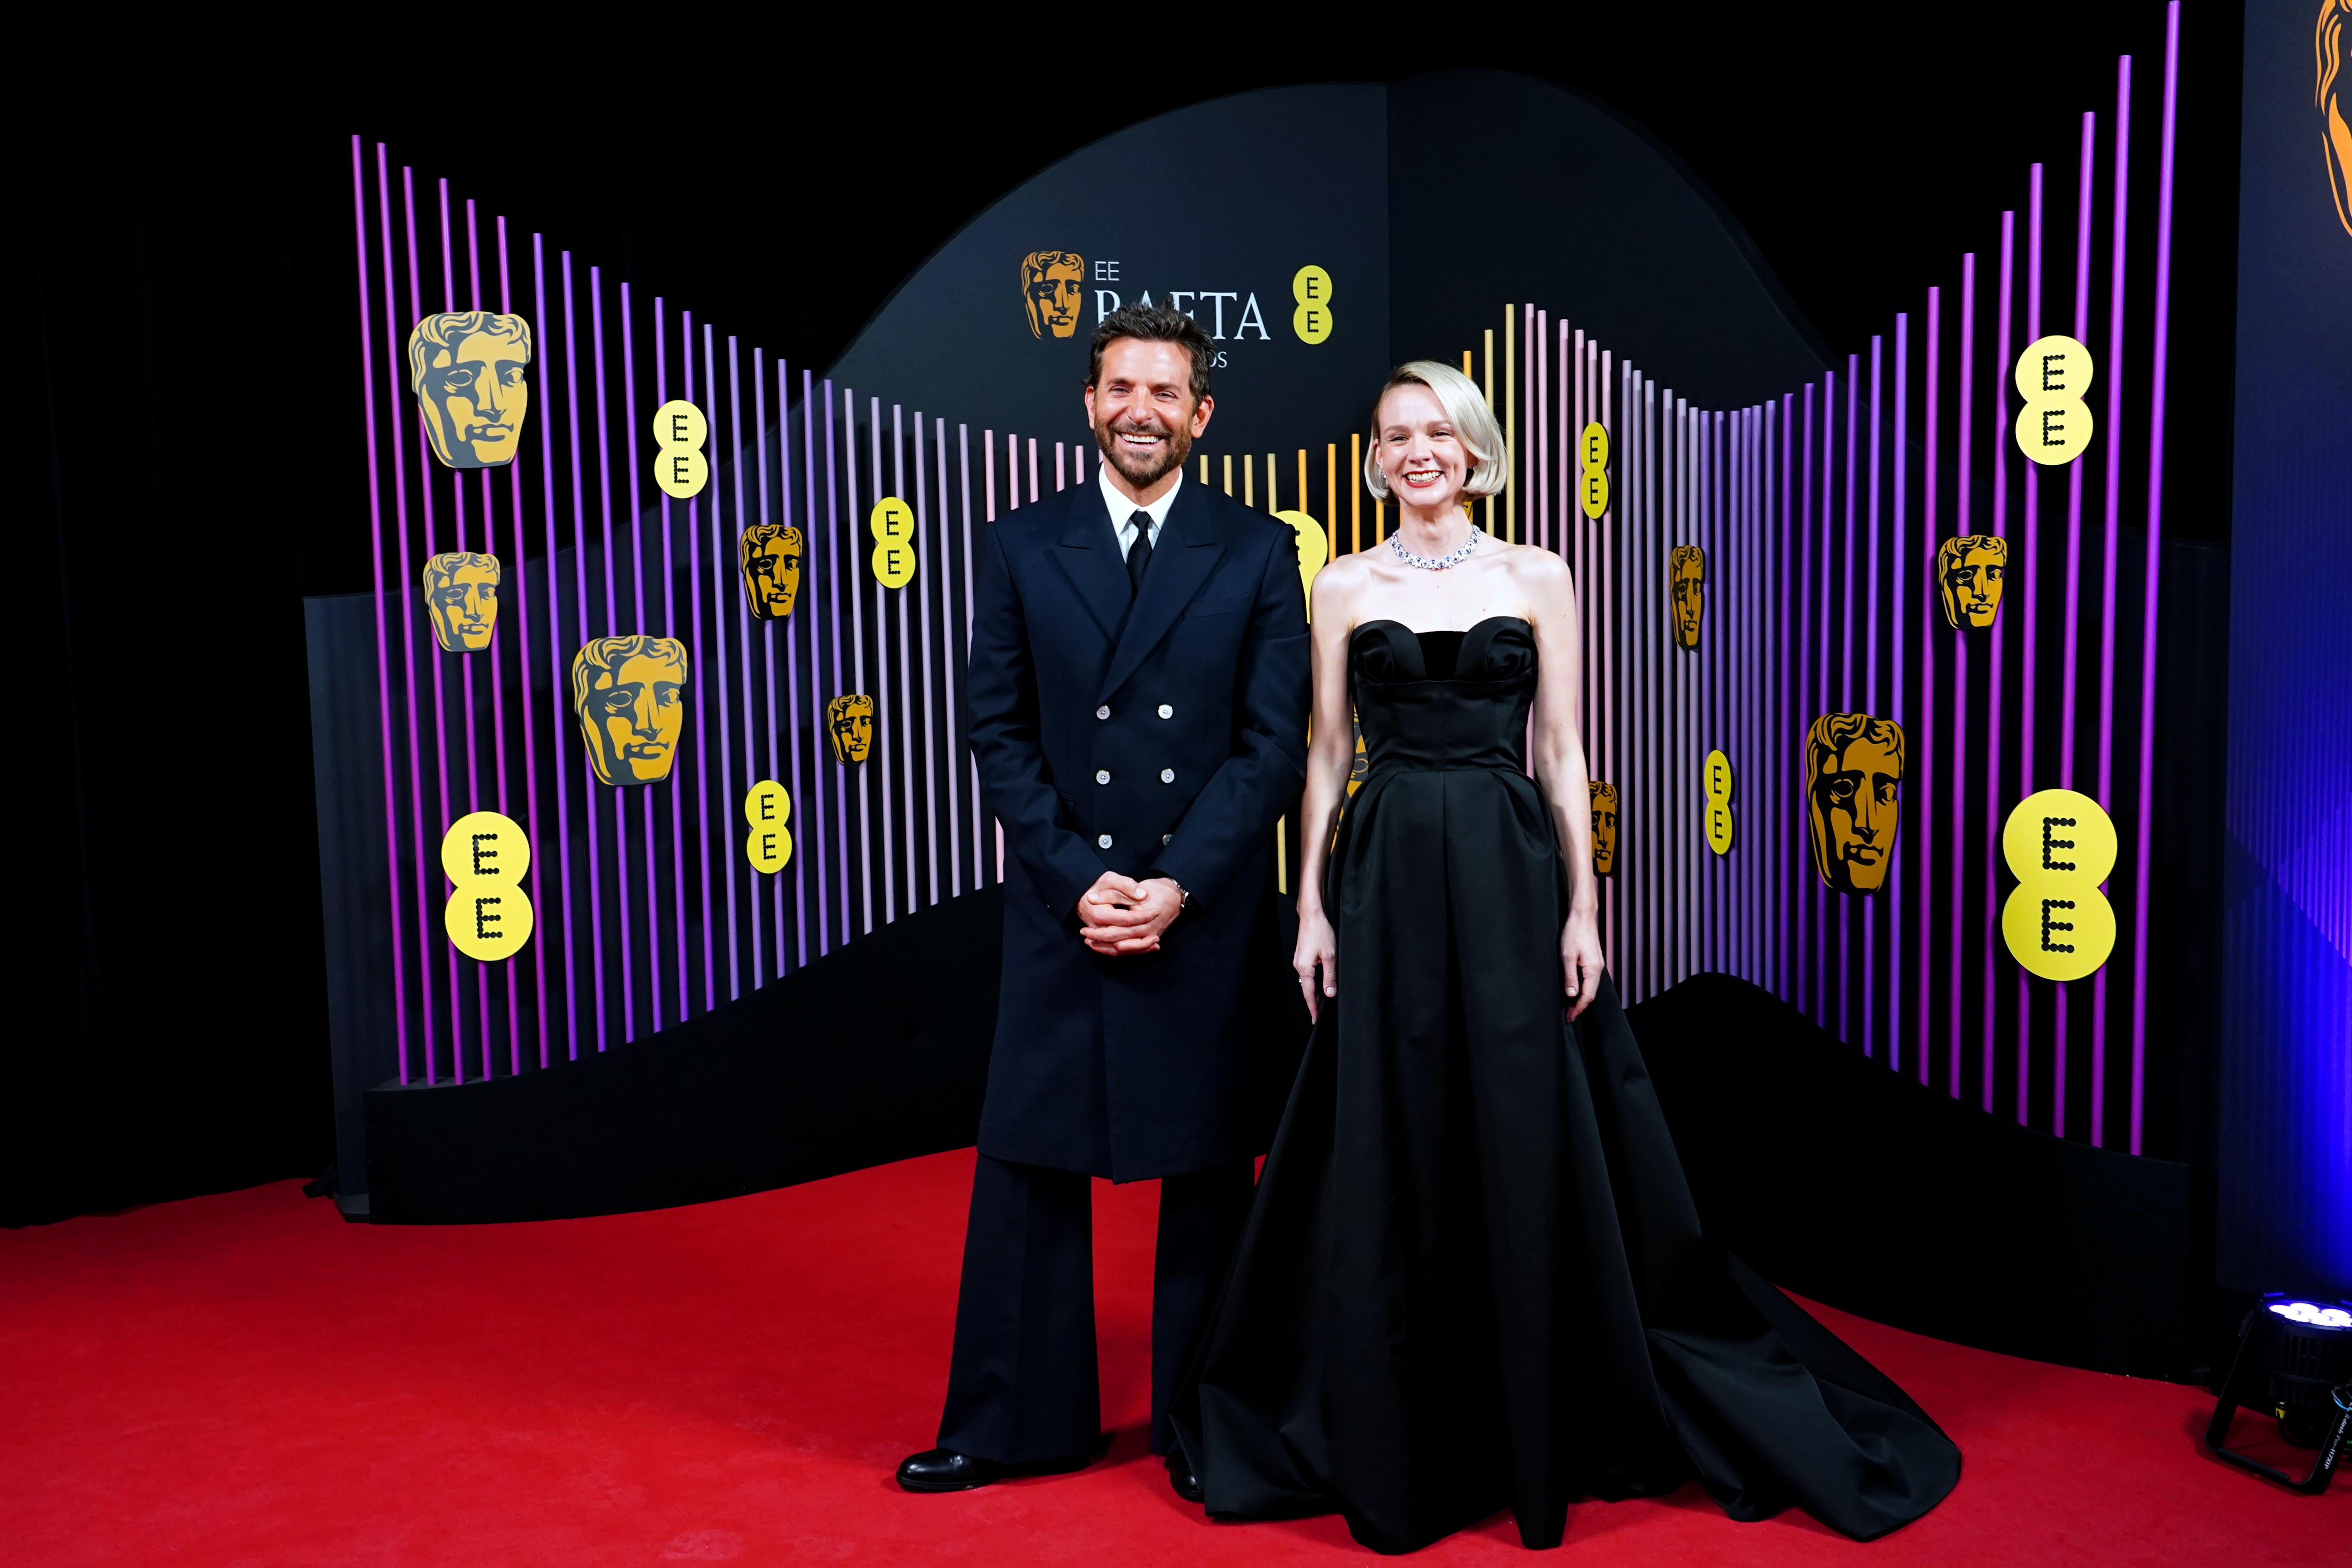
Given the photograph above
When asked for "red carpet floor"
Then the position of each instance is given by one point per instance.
(245, 1379)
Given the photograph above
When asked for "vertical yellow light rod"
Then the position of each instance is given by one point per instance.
(1380, 520)
(1229, 473)
(1331, 489)
(1271, 488)
(1356, 492)
(1281, 856)
(1302, 482)
(1489, 388)
(1204, 467)
(1511, 427)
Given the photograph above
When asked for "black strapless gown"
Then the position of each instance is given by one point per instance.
(1473, 1278)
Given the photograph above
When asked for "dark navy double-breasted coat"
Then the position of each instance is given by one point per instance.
(1162, 736)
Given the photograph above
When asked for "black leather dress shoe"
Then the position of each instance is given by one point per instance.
(945, 1470)
(1181, 1476)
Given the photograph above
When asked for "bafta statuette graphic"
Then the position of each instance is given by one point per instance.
(766, 808)
(849, 727)
(1604, 826)
(771, 557)
(2059, 847)
(466, 369)
(1686, 582)
(2333, 94)
(461, 592)
(1968, 572)
(1052, 286)
(628, 694)
(1853, 776)
(2054, 426)
(488, 916)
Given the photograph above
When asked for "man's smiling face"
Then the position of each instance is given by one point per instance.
(1142, 409)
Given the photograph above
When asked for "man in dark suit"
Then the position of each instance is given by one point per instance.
(1137, 704)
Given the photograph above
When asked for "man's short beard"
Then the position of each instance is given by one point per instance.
(1179, 446)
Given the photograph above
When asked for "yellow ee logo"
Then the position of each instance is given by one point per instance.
(1312, 289)
(892, 523)
(1593, 449)
(2061, 846)
(1718, 803)
(680, 467)
(2055, 424)
(484, 855)
(767, 809)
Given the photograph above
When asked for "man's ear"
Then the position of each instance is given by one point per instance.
(1201, 413)
(1090, 404)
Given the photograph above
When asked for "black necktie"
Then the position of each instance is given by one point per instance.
(1138, 554)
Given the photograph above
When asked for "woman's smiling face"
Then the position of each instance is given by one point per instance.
(1422, 456)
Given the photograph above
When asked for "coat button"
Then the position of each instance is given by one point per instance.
(1104, 712)
(1166, 837)
(1104, 842)
(1166, 711)
(1168, 775)
(1102, 776)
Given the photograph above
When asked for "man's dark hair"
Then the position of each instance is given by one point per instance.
(1155, 324)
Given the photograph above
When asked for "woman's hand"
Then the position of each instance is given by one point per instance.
(1318, 950)
(1579, 959)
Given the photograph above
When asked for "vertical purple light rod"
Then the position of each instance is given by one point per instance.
(669, 629)
(699, 680)
(1931, 475)
(949, 650)
(2085, 182)
(555, 667)
(2029, 635)
(498, 696)
(1784, 637)
(580, 601)
(816, 671)
(2114, 499)
(612, 628)
(2143, 798)
(522, 681)
(1800, 521)
(1870, 976)
(724, 867)
(835, 573)
(857, 660)
(1965, 447)
(1990, 855)
(375, 566)
(1849, 550)
(637, 571)
(923, 613)
(723, 553)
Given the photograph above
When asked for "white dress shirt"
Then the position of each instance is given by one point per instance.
(1123, 509)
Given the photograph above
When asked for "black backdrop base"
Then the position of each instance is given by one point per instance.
(874, 1052)
(1833, 1176)
(1844, 1182)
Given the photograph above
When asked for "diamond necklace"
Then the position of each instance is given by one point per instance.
(1433, 563)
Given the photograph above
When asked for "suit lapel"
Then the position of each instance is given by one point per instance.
(1189, 548)
(1088, 555)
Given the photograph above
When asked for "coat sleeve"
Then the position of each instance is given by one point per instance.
(1000, 716)
(1233, 816)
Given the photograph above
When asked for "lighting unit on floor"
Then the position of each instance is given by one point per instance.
(2294, 1359)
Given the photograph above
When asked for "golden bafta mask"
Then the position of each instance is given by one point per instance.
(772, 569)
(1968, 572)
(1686, 580)
(1604, 826)
(461, 590)
(1853, 778)
(849, 728)
(629, 695)
(466, 369)
(2330, 42)
(1052, 290)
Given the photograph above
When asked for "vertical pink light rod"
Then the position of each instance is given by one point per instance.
(2029, 636)
(2143, 797)
(2108, 530)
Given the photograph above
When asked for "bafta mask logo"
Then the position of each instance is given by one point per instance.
(1853, 773)
(849, 728)
(1604, 826)
(2334, 97)
(628, 694)
(466, 368)
(1686, 580)
(1969, 572)
(461, 590)
(772, 569)
(1052, 289)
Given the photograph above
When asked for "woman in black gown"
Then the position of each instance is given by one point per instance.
(1473, 1278)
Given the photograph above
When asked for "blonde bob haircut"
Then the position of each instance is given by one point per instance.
(1465, 408)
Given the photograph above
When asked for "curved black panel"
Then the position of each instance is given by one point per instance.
(877, 1052)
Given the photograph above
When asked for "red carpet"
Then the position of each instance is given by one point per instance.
(245, 1379)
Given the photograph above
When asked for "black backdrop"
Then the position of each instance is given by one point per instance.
(189, 454)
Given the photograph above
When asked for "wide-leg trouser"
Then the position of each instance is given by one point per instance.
(1023, 1386)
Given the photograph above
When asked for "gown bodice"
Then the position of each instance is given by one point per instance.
(1443, 699)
